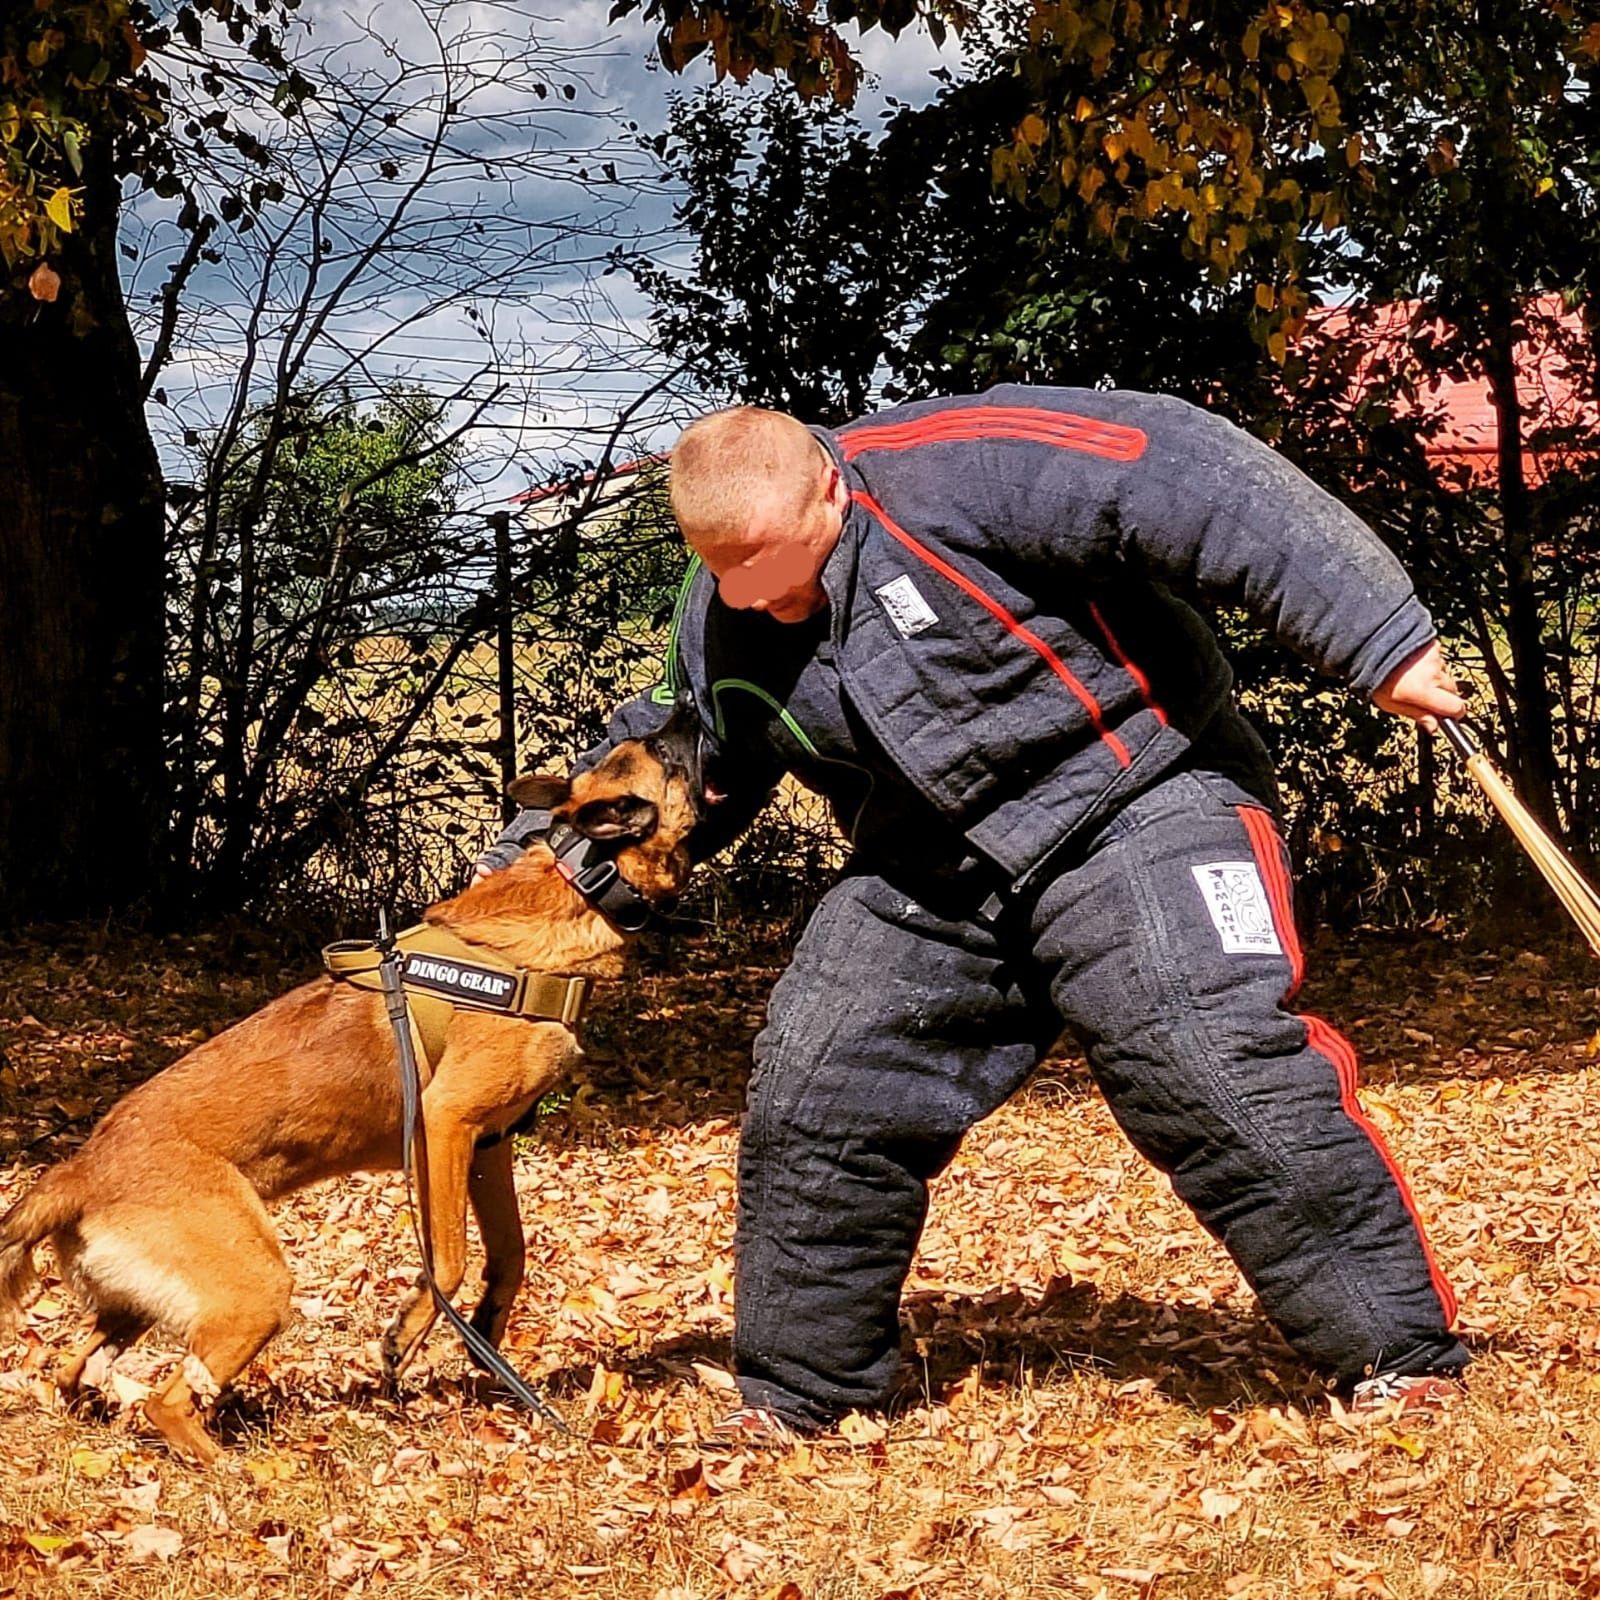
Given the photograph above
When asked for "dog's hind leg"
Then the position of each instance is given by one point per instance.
(118, 1329)
(194, 1251)
(225, 1338)
(223, 1349)
(493, 1192)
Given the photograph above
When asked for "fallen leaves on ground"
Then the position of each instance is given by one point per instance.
(1098, 1410)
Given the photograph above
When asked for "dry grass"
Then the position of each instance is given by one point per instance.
(1103, 1412)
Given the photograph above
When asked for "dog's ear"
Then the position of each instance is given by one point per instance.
(618, 816)
(540, 791)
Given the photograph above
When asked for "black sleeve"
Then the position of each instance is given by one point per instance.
(1216, 514)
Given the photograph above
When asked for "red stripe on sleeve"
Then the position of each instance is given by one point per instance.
(1112, 441)
(1127, 663)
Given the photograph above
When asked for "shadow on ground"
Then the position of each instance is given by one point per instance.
(1201, 1358)
(86, 1012)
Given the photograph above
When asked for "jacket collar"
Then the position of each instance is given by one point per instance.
(839, 570)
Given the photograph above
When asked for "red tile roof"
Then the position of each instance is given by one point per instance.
(1555, 388)
(561, 486)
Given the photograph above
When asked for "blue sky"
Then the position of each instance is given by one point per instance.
(567, 342)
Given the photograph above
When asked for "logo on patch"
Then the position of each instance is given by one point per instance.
(1240, 910)
(908, 611)
(461, 980)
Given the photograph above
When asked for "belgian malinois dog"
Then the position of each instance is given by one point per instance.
(161, 1220)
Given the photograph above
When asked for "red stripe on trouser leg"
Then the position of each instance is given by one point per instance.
(1328, 1042)
(1325, 1039)
(1280, 892)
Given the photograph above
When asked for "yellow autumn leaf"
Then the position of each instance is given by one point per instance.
(1412, 1447)
(268, 1469)
(92, 1463)
(48, 1543)
(59, 209)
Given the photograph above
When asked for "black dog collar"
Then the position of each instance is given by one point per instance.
(593, 873)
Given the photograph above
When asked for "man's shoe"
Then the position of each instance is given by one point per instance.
(756, 1428)
(1427, 1392)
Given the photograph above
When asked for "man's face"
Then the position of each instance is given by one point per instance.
(777, 566)
(779, 576)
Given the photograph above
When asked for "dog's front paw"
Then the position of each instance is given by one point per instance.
(403, 1337)
(393, 1356)
(398, 1346)
(488, 1320)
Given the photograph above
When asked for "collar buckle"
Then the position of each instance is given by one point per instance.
(597, 879)
(593, 878)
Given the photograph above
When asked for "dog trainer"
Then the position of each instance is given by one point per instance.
(968, 622)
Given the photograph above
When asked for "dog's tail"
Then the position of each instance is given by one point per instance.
(52, 1203)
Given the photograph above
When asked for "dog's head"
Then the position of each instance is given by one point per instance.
(639, 803)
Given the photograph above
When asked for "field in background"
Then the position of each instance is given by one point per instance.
(440, 803)
(1102, 1413)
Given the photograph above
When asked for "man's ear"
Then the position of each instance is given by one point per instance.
(539, 791)
(618, 816)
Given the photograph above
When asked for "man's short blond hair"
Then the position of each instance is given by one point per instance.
(729, 464)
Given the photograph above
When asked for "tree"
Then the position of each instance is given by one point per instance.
(1477, 191)
(310, 599)
(789, 222)
(82, 791)
(980, 286)
(309, 215)
(330, 563)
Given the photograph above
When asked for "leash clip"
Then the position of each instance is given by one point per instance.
(593, 880)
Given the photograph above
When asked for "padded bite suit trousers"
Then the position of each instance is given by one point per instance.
(1166, 945)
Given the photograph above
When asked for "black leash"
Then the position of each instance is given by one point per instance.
(414, 1133)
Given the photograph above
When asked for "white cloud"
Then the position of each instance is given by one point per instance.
(573, 347)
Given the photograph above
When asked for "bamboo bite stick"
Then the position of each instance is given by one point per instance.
(1572, 889)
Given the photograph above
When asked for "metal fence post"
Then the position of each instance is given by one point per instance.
(505, 650)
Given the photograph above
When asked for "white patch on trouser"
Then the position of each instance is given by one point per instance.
(1237, 900)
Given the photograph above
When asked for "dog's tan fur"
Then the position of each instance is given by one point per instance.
(161, 1218)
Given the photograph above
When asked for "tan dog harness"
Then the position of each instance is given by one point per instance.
(443, 974)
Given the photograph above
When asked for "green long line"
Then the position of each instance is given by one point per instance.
(667, 691)
(800, 734)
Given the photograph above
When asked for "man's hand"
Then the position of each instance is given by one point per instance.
(1421, 688)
